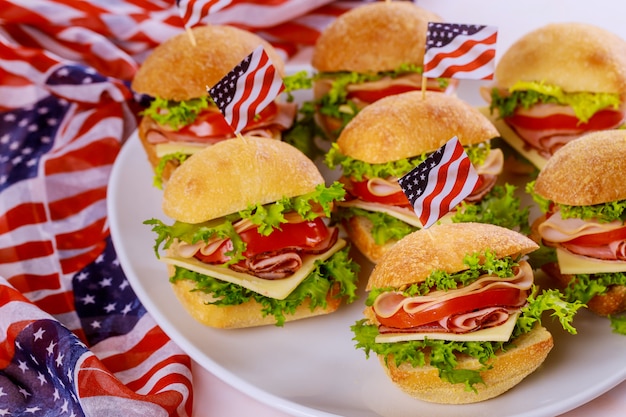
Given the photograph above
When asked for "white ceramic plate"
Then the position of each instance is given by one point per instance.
(310, 367)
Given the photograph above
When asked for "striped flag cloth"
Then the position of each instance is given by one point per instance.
(247, 89)
(440, 182)
(193, 11)
(460, 51)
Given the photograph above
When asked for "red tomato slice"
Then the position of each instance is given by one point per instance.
(211, 123)
(359, 189)
(600, 239)
(467, 303)
(302, 235)
(370, 96)
(603, 119)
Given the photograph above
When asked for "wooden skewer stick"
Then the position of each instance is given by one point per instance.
(192, 38)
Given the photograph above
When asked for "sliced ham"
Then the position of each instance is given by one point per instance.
(548, 140)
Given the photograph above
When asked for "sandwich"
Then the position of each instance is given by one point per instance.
(582, 194)
(454, 316)
(181, 118)
(388, 139)
(250, 245)
(557, 83)
(367, 53)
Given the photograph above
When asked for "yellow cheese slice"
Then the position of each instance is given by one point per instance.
(410, 218)
(500, 333)
(570, 263)
(514, 140)
(167, 148)
(278, 289)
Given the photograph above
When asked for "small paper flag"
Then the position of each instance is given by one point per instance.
(440, 182)
(246, 90)
(460, 51)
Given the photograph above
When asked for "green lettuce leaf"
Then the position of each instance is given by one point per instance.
(618, 323)
(528, 93)
(176, 114)
(500, 207)
(177, 157)
(384, 226)
(339, 269)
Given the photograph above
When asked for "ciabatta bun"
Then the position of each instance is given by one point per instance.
(178, 70)
(374, 37)
(577, 57)
(443, 247)
(233, 174)
(508, 368)
(586, 171)
(411, 124)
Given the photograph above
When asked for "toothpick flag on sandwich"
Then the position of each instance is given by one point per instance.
(193, 11)
(247, 89)
(460, 51)
(439, 183)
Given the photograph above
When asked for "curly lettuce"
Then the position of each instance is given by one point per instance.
(526, 94)
(176, 114)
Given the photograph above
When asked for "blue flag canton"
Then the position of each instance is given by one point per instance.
(75, 75)
(103, 298)
(224, 91)
(414, 183)
(441, 34)
(25, 136)
(40, 377)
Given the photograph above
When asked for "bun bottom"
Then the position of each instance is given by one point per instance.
(150, 150)
(508, 369)
(359, 230)
(243, 315)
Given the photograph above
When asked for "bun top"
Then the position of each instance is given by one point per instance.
(575, 56)
(375, 37)
(232, 174)
(586, 171)
(410, 124)
(178, 70)
(442, 247)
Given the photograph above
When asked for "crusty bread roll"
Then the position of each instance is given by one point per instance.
(230, 175)
(586, 171)
(509, 368)
(243, 315)
(403, 126)
(443, 247)
(560, 53)
(410, 124)
(178, 70)
(374, 37)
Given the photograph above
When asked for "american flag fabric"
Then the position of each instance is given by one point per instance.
(193, 11)
(74, 338)
(460, 51)
(246, 90)
(440, 182)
